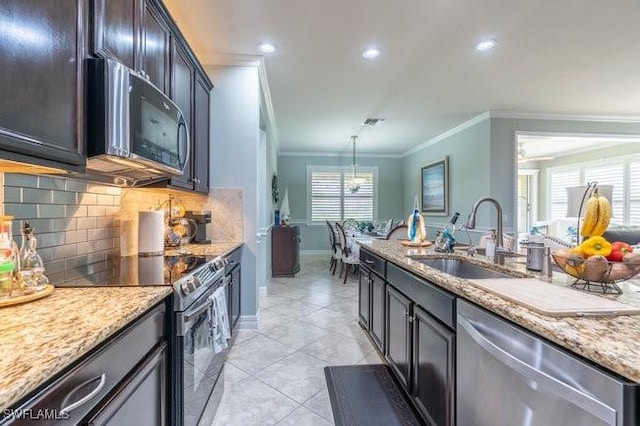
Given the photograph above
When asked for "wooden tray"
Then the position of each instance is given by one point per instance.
(27, 298)
(408, 243)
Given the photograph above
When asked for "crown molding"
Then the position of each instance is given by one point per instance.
(460, 127)
(335, 154)
(268, 104)
(230, 59)
(564, 117)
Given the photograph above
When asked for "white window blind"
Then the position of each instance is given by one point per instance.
(611, 174)
(634, 193)
(329, 197)
(326, 191)
(560, 181)
(622, 172)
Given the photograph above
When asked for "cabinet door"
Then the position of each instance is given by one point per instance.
(201, 137)
(154, 54)
(235, 296)
(296, 249)
(116, 30)
(433, 368)
(140, 399)
(398, 333)
(364, 297)
(41, 83)
(181, 93)
(377, 310)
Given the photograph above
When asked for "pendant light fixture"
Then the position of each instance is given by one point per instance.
(354, 184)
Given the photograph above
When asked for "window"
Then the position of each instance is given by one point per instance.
(622, 173)
(560, 180)
(329, 197)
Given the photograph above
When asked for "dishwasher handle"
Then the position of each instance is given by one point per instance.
(558, 387)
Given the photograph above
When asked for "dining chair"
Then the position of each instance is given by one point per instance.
(336, 248)
(350, 254)
(350, 224)
(387, 227)
(398, 233)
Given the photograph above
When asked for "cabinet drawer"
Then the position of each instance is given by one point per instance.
(439, 303)
(373, 262)
(91, 380)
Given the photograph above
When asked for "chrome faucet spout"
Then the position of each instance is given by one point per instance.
(471, 224)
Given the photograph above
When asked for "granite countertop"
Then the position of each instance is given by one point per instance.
(609, 342)
(41, 338)
(213, 249)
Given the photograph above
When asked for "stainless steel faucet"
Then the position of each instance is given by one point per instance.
(471, 224)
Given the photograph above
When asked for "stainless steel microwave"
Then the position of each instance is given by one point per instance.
(137, 135)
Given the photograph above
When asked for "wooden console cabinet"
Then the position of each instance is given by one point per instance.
(285, 251)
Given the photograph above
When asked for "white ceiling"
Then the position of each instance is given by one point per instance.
(569, 56)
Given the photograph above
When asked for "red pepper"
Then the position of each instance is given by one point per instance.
(618, 250)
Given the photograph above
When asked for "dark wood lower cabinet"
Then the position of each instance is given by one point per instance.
(398, 334)
(285, 251)
(364, 294)
(433, 368)
(377, 310)
(233, 296)
(141, 398)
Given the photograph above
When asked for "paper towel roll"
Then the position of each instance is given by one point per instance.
(151, 232)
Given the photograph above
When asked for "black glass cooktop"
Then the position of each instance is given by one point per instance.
(133, 271)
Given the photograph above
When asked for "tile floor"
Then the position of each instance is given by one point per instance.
(274, 375)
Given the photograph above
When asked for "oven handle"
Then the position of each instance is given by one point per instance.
(187, 317)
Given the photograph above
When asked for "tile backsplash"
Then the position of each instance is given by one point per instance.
(75, 222)
(79, 223)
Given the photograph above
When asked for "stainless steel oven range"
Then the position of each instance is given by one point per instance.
(197, 366)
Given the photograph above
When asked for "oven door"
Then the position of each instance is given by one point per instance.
(159, 133)
(199, 364)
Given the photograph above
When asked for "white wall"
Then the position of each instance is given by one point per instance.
(235, 136)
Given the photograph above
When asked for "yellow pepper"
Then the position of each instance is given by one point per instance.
(596, 245)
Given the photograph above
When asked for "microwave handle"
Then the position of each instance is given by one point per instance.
(187, 140)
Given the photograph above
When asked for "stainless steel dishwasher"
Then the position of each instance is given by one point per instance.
(507, 376)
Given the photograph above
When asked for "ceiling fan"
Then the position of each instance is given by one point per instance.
(522, 155)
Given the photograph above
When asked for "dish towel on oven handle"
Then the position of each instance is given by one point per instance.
(218, 320)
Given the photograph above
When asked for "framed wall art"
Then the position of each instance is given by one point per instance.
(434, 183)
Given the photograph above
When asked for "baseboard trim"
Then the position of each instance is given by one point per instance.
(248, 322)
(326, 252)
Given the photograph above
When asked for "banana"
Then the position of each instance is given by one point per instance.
(604, 216)
(590, 216)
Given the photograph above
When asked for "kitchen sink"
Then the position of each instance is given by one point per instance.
(462, 269)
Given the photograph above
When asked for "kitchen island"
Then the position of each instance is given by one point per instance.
(41, 339)
(609, 342)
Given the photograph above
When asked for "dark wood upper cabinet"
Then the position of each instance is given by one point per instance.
(116, 30)
(154, 54)
(41, 81)
(201, 136)
(181, 92)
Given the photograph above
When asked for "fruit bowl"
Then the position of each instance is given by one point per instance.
(603, 273)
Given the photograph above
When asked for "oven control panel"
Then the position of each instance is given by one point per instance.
(205, 276)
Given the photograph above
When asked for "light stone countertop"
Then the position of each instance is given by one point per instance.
(39, 339)
(613, 343)
(213, 249)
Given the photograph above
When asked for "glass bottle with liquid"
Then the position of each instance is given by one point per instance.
(30, 260)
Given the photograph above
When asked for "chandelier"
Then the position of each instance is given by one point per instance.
(355, 182)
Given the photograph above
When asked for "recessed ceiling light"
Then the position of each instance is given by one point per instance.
(371, 53)
(267, 47)
(485, 45)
